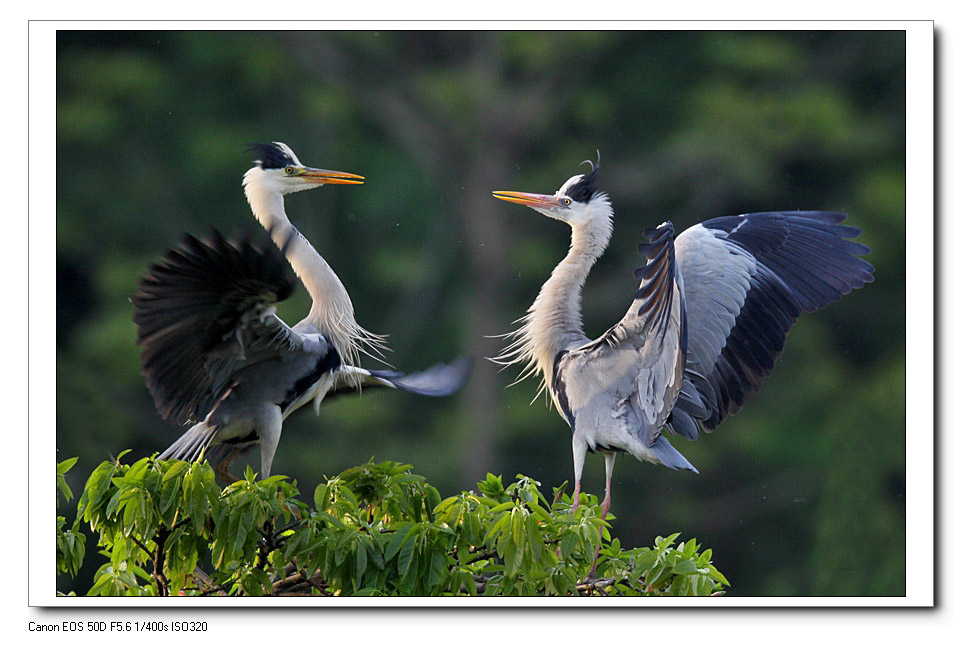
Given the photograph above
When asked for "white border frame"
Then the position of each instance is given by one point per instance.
(919, 269)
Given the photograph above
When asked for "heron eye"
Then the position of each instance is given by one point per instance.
(289, 170)
(566, 202)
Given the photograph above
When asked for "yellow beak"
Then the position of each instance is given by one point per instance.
(528, 199)
(322, 176)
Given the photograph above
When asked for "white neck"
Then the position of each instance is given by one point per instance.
(553, 322)
(332, 312)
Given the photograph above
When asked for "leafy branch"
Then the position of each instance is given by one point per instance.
(166, 528)
(71, 543)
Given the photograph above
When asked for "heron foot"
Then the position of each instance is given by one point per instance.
(594, 565)
(221, 469)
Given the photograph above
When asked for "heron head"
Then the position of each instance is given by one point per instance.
(277, 170)
(577, 202)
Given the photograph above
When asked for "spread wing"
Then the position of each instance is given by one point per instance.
(204, 312)
(639, 359)
(746, 280)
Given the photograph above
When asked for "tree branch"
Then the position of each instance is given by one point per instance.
(159, 542)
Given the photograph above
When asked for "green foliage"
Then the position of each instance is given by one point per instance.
(375, 529)
(71, 543)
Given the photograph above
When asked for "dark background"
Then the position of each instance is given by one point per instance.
(802, 493)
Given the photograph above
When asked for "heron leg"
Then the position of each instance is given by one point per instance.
(609, 468)
(221, 469)
(269, 431)
(575, 501)
(578, 450)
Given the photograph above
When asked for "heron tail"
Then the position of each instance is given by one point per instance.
(669, 456)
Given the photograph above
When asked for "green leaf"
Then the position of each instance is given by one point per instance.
(175, 470)
(433, 500)
(716, 575)
(680, 586)
(244, 526)
(65, 466)
(508, 505)
(496, 527)
(374, 554)
(542, 514)
(685, 567)
(360, 564)
(512, 556)
(406, 553)
(645, 560)
(438, 569)
(535, 541)
(400, 535)
(320, 496)
(517, 526)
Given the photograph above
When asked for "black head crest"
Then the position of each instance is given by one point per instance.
(585, 189)
(269, 155)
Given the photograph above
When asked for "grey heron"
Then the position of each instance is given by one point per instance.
(707, 322)
(217, 356)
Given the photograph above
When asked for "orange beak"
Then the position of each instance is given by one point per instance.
(528, 199)
(322, 176)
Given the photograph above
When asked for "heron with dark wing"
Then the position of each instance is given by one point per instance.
(707, 322)
(216, 355)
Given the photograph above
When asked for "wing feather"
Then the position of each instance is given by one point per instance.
(205, 311)
(439, 380)
(746, 281)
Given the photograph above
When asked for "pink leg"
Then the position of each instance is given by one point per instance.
(605, 504)
(222, 467)
(576, 500)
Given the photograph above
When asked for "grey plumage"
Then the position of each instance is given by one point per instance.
(708, 320)
(203, 313)
(776, 265)
(217, 356)
(215, 353)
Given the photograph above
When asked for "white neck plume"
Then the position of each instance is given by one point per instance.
(332, 313)
(553, 322)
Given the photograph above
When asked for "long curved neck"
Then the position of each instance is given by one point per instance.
(332, 312)
(553, 322)
(554, 319)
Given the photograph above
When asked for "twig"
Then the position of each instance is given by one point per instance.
(597, 585)
(204, 581)
(159, 541)
(481, 582)
(289, 582)
(140, 544)
(318, 583)
(481, 556)
(221, 589)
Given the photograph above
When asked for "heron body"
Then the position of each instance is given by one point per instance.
(217, 356)
(705, 326)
